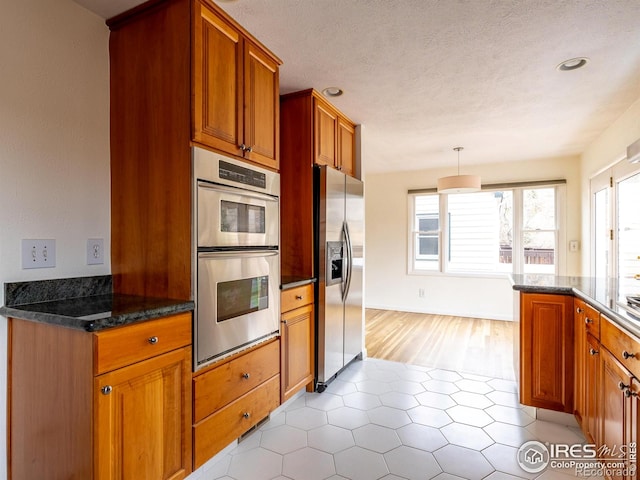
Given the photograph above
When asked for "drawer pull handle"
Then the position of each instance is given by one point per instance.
(579, 310)
(593, 351)
(298, 297)
(106, 390)
(246, 376)
(626, 355)
(622, 386)
(283, 322)
(628, 393)
(587, 320)
(246, 415)
(153, 340)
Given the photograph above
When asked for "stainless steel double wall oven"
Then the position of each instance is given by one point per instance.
(237, 236)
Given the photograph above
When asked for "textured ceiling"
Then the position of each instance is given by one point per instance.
(423, 76)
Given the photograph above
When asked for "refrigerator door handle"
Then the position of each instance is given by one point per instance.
(347, 263)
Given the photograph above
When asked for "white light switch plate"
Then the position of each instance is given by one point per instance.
(38, 253)
(95, 251)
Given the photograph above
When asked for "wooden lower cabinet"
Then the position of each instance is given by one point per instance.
(222, 427)
(586, 367)
(297, 340)
(233, 396)
(616, 412)
(592, 388)
(140, 418)
(606, 374)
(72, 417)
(546, 351)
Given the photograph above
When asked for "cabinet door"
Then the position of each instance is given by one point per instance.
(591, 384)
(635, 413)
(143, 419)
(297, 350)
(262, 103)
(325, 120)
(616, 408)
(581, 350)
(546, 351)
(217, 83)
(346, 147)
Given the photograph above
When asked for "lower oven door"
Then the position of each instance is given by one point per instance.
(238, 302)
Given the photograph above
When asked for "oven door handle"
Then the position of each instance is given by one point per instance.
(238, 254)
(236, 191)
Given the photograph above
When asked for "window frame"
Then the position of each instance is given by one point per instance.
(518, 264)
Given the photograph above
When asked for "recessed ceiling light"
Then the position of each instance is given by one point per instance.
(573, 64)
(332, 92)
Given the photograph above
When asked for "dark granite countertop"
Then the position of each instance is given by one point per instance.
(287, 282)
(609, 296)
(84, 303)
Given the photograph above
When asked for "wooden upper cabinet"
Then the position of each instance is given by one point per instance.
(307, 117)
(346, 147)
(217, 92)
(236, 88)
(326, 120)
(546, 351)
(262, 105)
(182, 73)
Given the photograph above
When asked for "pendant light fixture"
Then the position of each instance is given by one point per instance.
(459, 183)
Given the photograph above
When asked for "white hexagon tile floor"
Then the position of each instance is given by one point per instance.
(391, 421)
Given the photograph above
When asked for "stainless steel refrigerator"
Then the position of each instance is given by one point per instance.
(339, 222)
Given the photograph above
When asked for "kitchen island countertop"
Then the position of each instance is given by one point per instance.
(608, 296)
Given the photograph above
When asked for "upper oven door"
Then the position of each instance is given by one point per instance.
(231, 217)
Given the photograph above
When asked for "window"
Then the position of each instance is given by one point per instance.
(426, 227)
(615, 224)
(508, 230)
(539, 230)
(480, 231)
(629, 228)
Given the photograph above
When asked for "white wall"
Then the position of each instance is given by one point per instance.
(609, 148)
(388, 284)
(54, 144)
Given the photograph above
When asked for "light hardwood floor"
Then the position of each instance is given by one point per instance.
(472, 345)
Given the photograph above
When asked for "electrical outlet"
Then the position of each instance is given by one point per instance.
(38, 253)
(95, 251)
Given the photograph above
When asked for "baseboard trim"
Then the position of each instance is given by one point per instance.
(508, 318)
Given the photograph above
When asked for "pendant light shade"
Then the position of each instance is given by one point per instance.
(459, 183)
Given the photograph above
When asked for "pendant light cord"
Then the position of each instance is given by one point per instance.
(457, 149)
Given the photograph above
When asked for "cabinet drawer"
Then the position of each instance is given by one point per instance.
(621, 345)
(591, 317)
(219, 429)
(122, 346)
(296, 297)
(215, 388)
